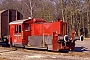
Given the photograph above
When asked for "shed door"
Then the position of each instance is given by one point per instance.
(17, 34)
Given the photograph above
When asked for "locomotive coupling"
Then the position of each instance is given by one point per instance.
(66, 38)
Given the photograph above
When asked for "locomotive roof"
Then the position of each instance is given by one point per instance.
(18, 21)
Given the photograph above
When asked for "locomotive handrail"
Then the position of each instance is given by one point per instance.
(43, 41)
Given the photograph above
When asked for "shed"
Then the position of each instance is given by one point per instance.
(7, 16)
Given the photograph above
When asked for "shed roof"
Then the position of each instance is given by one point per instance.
(2, 11)
(18, 21)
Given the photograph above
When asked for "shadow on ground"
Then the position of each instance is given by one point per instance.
(81, 49)
(3, 44)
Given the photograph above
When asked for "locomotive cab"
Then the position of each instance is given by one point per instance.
(19, 30)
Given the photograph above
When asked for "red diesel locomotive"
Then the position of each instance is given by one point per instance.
(37, 33)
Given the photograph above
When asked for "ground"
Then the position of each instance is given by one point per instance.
(81, 52)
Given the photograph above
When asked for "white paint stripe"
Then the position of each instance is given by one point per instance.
(17, 35)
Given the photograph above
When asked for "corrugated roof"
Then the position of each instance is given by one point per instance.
(18, 21)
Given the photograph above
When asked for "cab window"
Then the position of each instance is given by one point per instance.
(18, 28)
(26, 27)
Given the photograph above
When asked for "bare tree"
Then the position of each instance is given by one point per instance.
(75, 12)
(28, 3)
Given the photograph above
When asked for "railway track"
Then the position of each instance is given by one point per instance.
(13, 53)
(70, 53)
